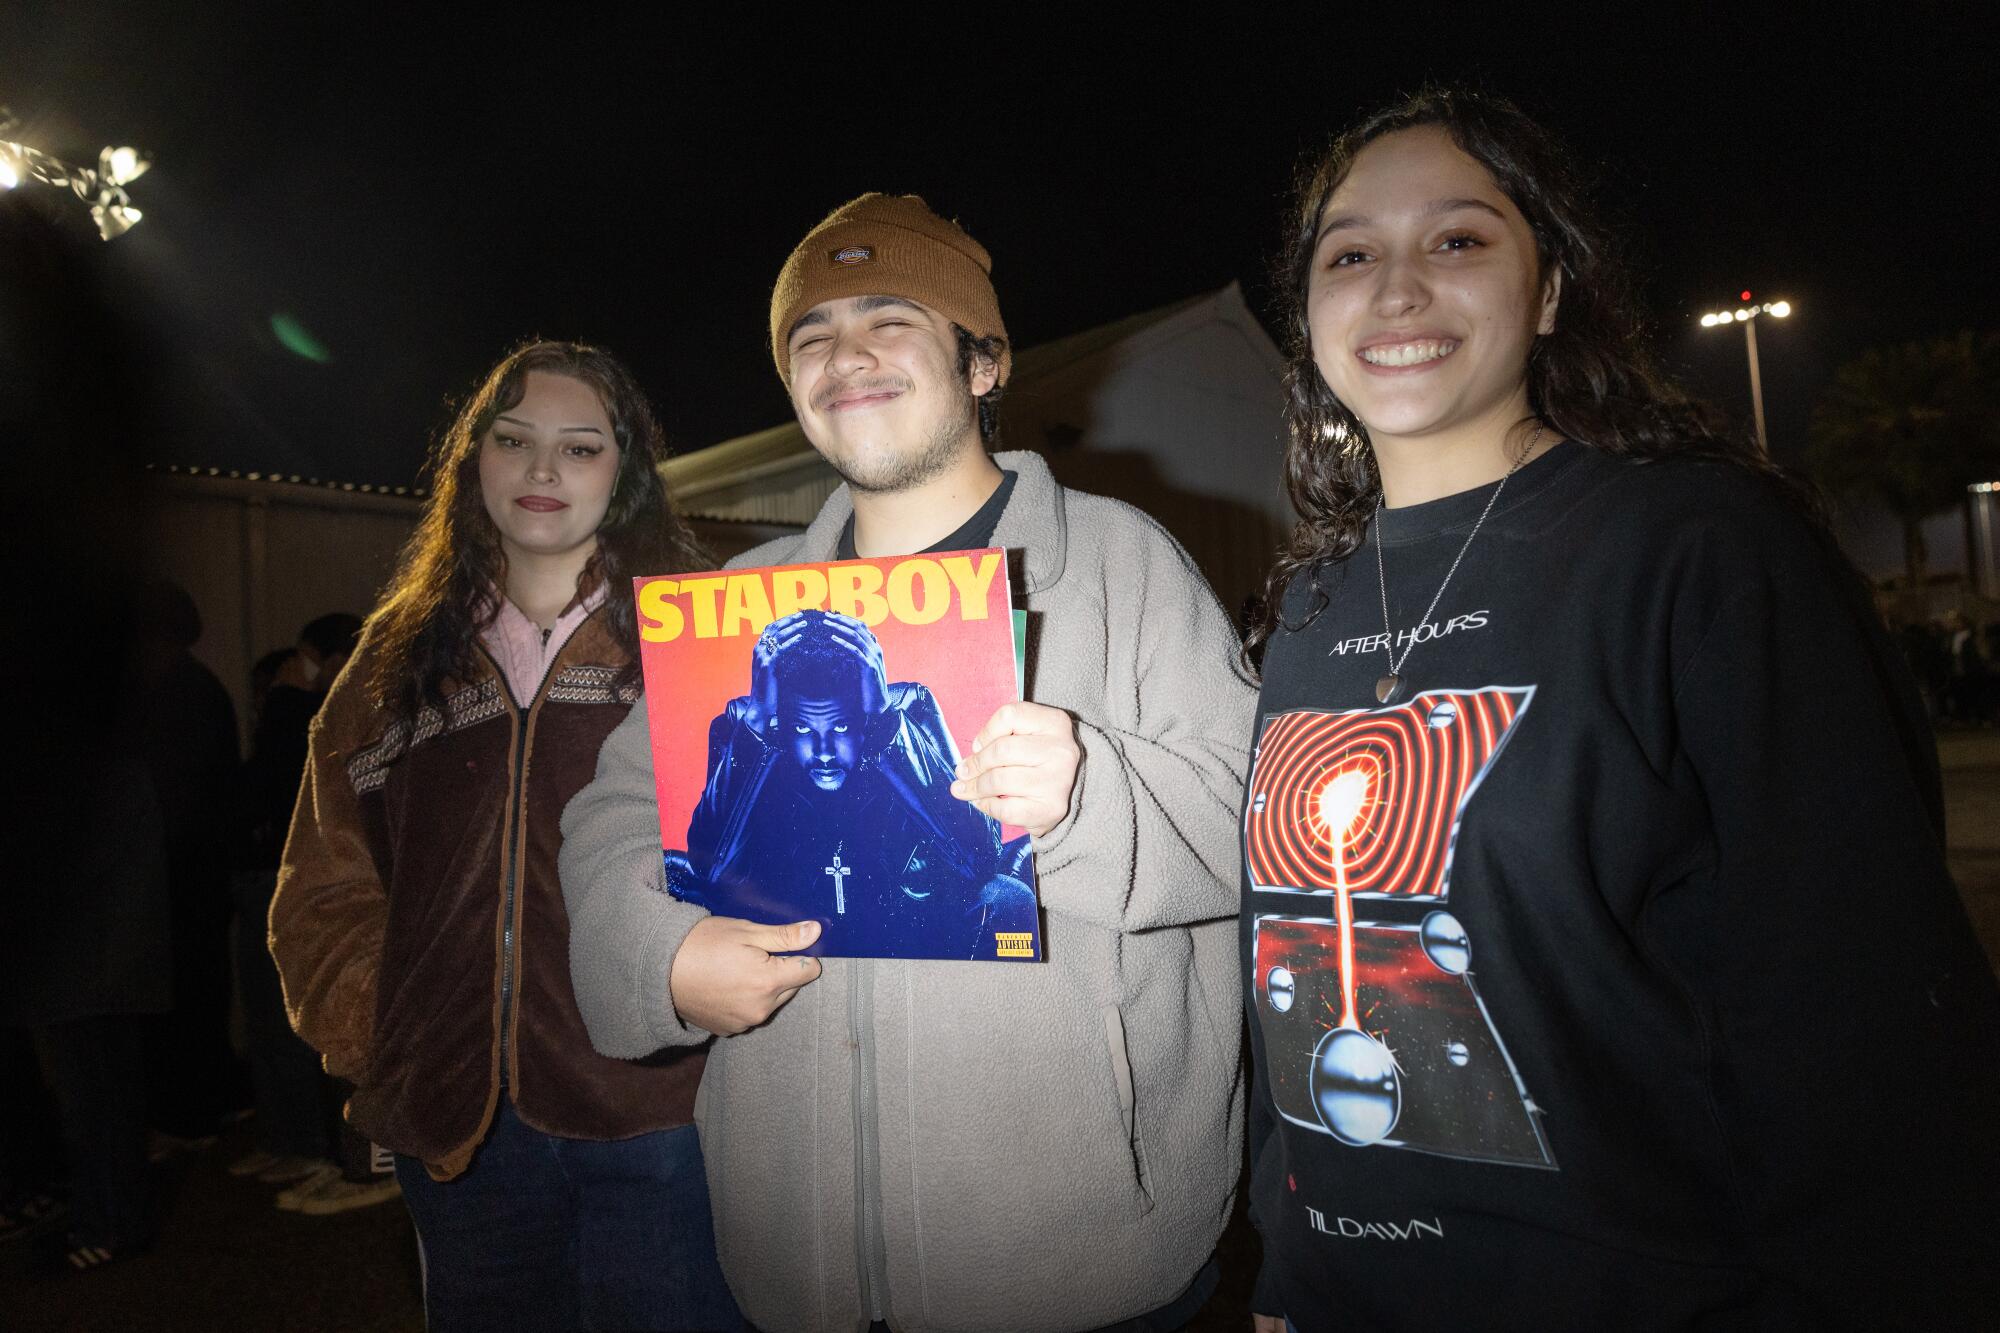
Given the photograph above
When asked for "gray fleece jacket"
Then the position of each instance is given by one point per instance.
(959, 1146)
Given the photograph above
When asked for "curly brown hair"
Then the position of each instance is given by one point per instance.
(1593, 379)
(445, 589)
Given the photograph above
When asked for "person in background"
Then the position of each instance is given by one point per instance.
(31, 1159)
(1923, 653)
(1602, 965)
(183, 725)
(301, 1139)
(418, 924)
(1965, 689)
(263, 675)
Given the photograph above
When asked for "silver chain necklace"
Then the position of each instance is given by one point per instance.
(1385, 688)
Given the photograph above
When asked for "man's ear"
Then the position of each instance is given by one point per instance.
(1551, 297)
(985, 373)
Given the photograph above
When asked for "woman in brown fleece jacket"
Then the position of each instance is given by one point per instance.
(419, 923)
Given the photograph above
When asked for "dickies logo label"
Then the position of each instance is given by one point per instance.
(853, 254)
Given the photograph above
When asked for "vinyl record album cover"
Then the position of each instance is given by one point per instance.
(806, 721)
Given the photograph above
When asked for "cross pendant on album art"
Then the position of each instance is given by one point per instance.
(840, 874)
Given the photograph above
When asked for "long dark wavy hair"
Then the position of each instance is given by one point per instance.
(447, 582)
(1593, 379)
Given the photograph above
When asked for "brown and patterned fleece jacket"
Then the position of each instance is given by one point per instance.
(419, 923)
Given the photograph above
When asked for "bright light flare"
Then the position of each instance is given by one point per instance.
(10, 175)
(114, 220)
(1742, 315)
(122, 166)
(1708, 321)
(296, 339)
(1340, 801)
(1780, 308)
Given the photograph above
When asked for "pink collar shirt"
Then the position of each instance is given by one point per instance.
(524, 650)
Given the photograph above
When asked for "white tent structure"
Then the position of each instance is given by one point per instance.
(1177, 410)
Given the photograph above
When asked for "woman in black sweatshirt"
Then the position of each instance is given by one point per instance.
(1603, 967)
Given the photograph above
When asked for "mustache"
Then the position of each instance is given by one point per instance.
(881, 383)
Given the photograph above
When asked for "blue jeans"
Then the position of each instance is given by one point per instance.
(550, 1233)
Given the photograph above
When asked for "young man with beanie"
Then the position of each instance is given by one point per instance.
(937, 1145)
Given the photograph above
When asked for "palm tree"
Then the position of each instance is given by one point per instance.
(1911, 426)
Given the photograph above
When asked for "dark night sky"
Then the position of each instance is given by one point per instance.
(418, 194)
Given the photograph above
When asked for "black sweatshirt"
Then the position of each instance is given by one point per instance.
(1665, 1011)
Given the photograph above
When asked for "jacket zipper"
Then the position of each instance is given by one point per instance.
(867, 1177)
(508, 894)
(511, 860)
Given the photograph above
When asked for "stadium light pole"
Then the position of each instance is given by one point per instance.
(1747, 316)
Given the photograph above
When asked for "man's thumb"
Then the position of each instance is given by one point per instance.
(784, 939)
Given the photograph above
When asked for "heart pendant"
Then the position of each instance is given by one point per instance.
(1385, 688)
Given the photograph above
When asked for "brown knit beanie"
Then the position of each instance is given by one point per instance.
(888, 245)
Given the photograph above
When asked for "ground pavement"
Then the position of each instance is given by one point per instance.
(229, 1261)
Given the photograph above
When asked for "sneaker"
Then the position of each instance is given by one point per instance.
(292, 1199)
(285, 1170)
(73, 1254)
(338, 1195)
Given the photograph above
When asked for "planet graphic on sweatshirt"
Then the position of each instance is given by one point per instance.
(1446, 943)
(1282, 988)
(1356, 1087)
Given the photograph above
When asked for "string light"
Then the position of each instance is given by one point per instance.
(102, 186)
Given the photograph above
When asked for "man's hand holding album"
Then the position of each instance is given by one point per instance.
(1022, 769)
(729, 976)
